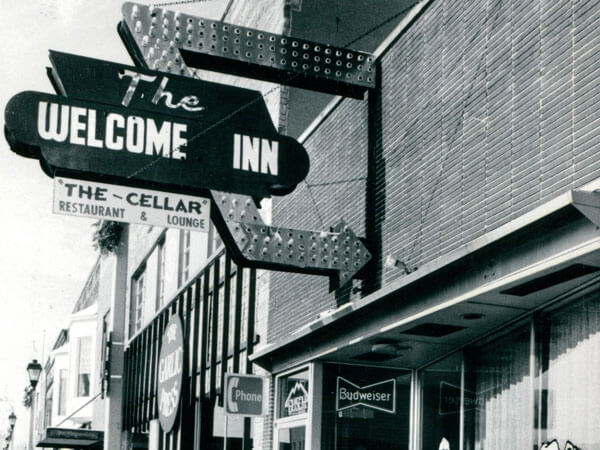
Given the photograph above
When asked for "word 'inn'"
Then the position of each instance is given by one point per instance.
(255, 154)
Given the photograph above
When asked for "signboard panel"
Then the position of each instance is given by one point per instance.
(170, 373)
(244, 395)
(127, 204)
(160, 92)
(380, 396)
(95, 141)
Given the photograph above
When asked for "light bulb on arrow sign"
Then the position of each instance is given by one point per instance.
(337, 253)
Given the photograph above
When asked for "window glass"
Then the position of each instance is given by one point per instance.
(220, 307)
(291, 438)
(232, 308)
(293, 394)
(245, 302)
(209, 327)
(48, 407)
(160, 285)
(84, 364)
(365, 408)
(184, 256)
(440, 403)
(138, 294)
(498, 376)
(570, 396)
(62, 392)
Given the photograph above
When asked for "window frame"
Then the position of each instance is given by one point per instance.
(78, 371)
(137, 294)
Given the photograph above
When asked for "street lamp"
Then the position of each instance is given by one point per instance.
(34, 370)
(12, 420)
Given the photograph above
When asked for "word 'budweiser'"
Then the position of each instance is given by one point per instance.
(79, 126)
(357, 395)
(380, 396)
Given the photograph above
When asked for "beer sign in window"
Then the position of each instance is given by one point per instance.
(293, 394)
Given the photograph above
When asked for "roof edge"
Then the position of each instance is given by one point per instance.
(378, 53)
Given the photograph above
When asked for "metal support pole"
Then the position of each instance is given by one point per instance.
(31, 421)
(225, 432)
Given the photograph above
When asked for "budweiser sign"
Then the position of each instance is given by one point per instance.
(380, 396)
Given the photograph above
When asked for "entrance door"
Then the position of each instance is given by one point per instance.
(291, 438)
(293, 408)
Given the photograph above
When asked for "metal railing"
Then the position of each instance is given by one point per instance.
(217, 309)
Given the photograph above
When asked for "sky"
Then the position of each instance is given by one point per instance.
(46, 258)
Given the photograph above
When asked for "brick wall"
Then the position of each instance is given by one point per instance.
(486, 110)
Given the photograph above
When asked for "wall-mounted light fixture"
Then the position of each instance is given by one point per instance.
(389, 348)
(391, 262)
(473, 316)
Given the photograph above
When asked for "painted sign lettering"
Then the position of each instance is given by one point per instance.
(554, 445)
(132, 205)
(78, 126)
(170, 373)
(296, 401)
(380, 396)
(98, 142)
(189, 102)
(147, 129)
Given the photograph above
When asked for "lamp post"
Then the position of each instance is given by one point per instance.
(12, 420)
(34, 370)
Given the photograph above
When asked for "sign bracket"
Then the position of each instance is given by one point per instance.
(167, 41)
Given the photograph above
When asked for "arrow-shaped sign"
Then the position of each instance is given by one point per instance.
(337, 253)
(128, 128)
(124, 125)
(171, 41)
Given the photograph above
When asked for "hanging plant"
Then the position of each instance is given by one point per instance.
(28, 397)
(107, 236)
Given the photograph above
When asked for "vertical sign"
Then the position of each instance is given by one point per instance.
(170, 373)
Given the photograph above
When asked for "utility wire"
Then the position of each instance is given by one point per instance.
(315, 204)
(330, 183)
(80, 408)
(180, 2)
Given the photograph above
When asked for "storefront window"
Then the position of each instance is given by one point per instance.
(570, 390)
(293, 394)
(293, 404)
(365, 408)
(498, 375)
(440, 403)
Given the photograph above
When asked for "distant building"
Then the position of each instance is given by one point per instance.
(74, 383)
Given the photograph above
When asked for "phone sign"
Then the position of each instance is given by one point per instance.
(244, 395)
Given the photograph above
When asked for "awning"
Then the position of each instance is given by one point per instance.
(461, 296)
(72, 438)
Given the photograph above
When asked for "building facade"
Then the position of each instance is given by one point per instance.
(74, 388)
(471, 172)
